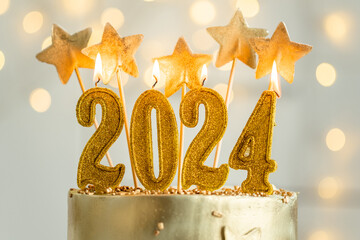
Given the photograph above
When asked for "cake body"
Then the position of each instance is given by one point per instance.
(98, 217)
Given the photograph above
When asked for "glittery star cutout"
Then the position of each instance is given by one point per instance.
(115, 51)
(182, 67)
(65, 52)
(234, 41)
(280, 49)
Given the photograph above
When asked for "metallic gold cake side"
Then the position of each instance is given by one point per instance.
(98, 217)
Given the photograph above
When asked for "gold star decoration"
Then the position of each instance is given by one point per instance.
(182, 67)
(115, 51)
(280, 49)
(234, 41)
(65, 52)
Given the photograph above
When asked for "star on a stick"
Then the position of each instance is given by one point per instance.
(65, 52)
(234, 41)
(182, 67)
(115, 51)
(280, 49)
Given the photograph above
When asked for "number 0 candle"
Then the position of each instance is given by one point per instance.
(141, 138)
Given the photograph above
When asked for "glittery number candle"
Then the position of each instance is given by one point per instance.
(90, 171)
(141, 140)
(253, 148)
(194, 172)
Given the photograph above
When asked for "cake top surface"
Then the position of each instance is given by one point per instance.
(236, 191)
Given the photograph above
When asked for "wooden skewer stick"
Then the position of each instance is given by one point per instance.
(96, 124)
(227, 101)
(122, 97)
(183, 92)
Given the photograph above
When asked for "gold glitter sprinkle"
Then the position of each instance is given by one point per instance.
(257, 135)
(216, 214)
(127, 191)
(141, 140)
(234, 41)
(182, 67)
(90, 171)
(65, 52)
(115, 51)
(194, 172)
(160, 226)
(285, 199)
(280, 49)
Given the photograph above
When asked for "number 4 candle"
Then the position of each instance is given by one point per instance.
(234, 44)
(253, 149)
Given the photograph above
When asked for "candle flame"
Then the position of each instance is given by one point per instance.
(275, 81)
(203, 74)
(98, 69)
(156, 73)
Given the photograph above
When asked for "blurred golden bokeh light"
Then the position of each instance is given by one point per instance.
(96, 35)
(221, 88)
(319, 235)
(78, 7)
(326, 74)
(40, 100)
(4, 6)
(202, 40)
(328, 188)
(202, 12)
(249, 8)
(149, 81)
(124, 79)
(335, 139)
(33, 21)
(2, 60)
(47, 42)
(151, 49)
(114, 16)
(337, 26)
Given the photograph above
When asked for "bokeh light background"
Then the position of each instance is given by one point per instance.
(316, 140)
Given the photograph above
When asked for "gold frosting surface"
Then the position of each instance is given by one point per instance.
(194, 172)
(181, 67)
(179, 217)
(141, 140)
(234, 41)
(280, 49)
(90, 171)
(65, 52)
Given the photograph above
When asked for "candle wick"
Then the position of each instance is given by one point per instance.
(203, 82)
(96, 83)
(156, 81)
